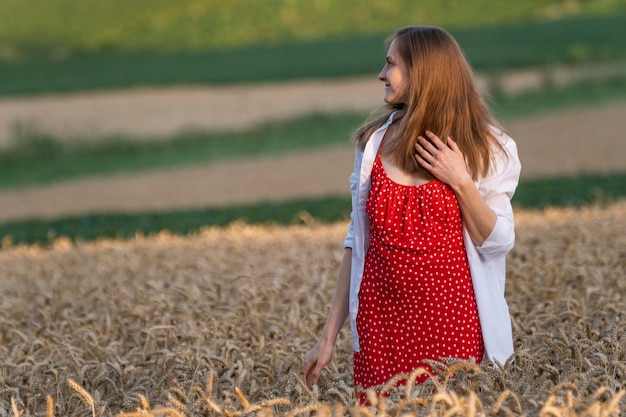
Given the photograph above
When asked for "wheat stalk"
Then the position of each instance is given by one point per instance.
(156, 412)
(16, 411)
(216, 322)
(302, 410)
(242, 398)
(144, 402)
(177, 403)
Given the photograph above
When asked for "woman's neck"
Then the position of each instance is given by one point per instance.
(394, 171)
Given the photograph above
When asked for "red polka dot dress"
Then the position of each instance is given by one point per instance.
(416, 299)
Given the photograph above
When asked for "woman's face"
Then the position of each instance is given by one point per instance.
(395, 75)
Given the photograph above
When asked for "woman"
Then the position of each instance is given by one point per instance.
(422, 276)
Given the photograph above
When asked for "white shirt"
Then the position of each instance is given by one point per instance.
(486, 262)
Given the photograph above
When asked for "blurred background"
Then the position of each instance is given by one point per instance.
(118, 117)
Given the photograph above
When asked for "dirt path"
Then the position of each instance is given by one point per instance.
(582, 141)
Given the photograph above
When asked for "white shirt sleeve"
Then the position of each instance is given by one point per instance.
(354, 183)
(497, 188)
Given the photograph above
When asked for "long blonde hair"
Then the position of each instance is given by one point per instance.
(442, 98)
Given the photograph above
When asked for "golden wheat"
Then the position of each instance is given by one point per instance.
(217, 323)
(84, 395)
(49, 406)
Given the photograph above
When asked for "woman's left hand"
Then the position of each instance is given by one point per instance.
(444, 161)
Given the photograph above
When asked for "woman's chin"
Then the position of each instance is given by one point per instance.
(390, 100)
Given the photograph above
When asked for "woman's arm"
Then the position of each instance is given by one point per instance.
(478, 217)
(446, 163)
(319, 356)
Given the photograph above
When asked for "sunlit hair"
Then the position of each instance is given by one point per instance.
(442, 98)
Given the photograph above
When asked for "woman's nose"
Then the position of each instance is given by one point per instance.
(381, 75)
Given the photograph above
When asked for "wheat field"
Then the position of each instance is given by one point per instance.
(217, 324)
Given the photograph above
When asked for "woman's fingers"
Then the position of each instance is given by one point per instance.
(434, 155)
(426, 149)
(314, 362)
(425, 144)
(452, 144)
(433, 145)
(309, 365)
(422, 146)
(423, 162)
(435, 139)
(314, 376)
(432, 148)
(312, 372)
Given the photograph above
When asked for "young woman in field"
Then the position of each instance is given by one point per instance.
(423, 271)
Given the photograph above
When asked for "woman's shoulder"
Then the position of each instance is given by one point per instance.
(501, 135)
(507, 146)
(505, 159)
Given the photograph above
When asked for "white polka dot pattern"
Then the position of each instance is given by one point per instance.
(416, 299)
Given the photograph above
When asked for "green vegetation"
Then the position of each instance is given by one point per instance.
(73, 45)
(530, 194)
(583, 95)
(37, 158)
(61, 28)
(570, 191)
(489, 48)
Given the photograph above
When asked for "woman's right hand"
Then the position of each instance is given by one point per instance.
(319, 356)
(314, 361)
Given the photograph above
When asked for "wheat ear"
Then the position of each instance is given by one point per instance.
(49, 406)
(144, 402)
(16, 412)
(83, 393)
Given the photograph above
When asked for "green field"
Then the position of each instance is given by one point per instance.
(32, 68)
(541, 193)
(62, 28)
(69, 45)
(38, 158)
